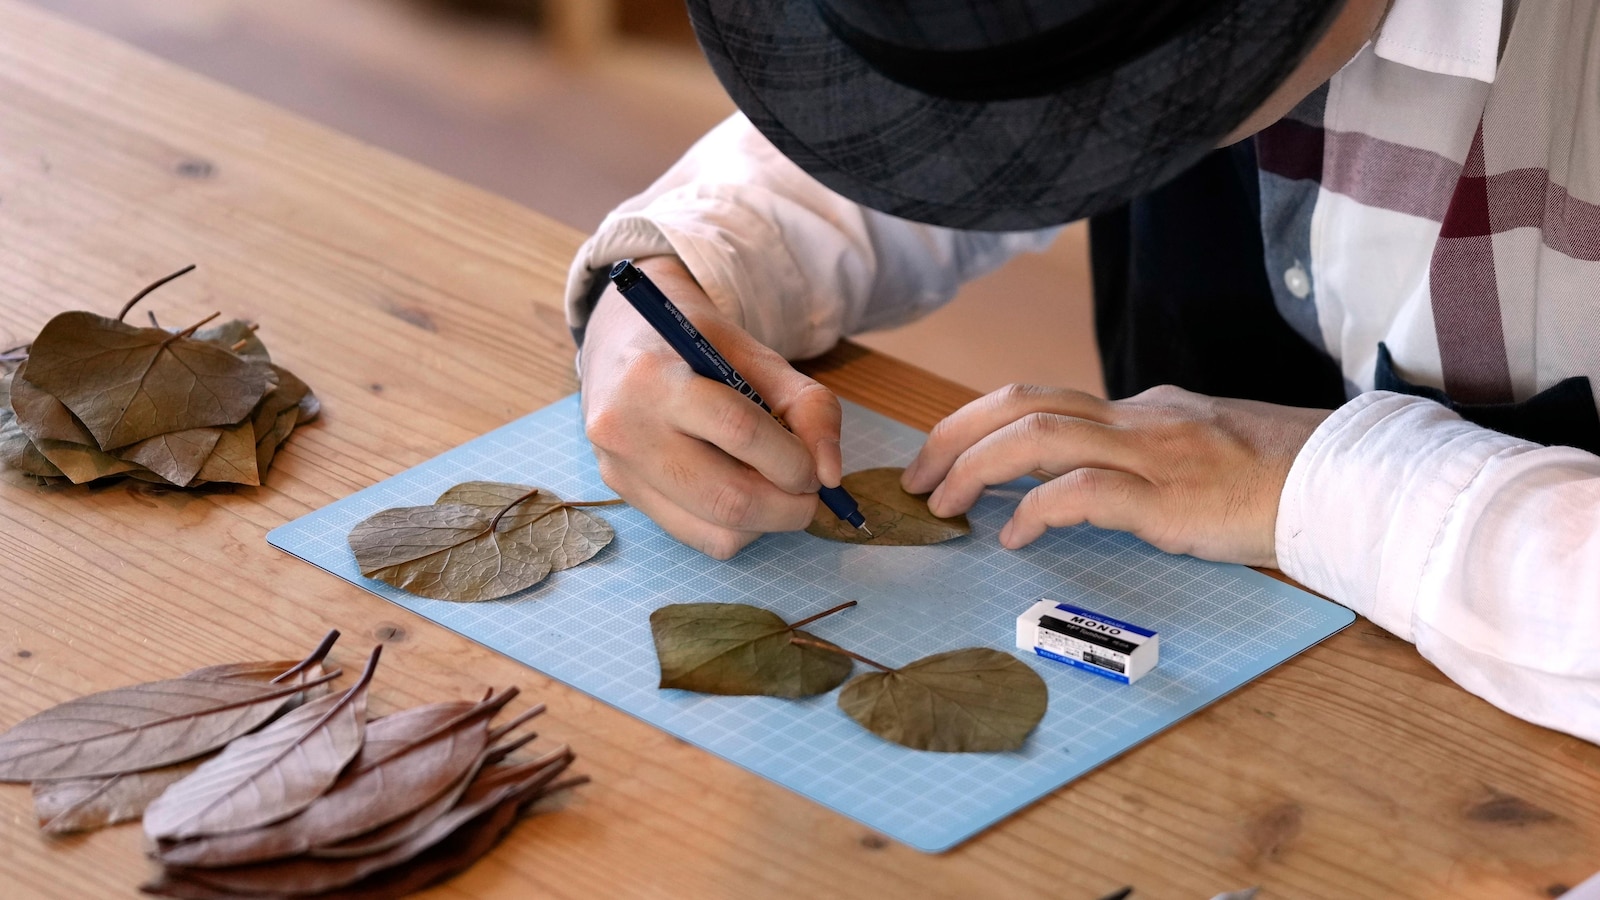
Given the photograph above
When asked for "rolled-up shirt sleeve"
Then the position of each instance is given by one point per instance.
(1482, 549)
(797, 265)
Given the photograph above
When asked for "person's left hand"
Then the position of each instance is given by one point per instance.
(1187, 473)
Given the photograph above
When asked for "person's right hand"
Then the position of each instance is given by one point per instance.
(710, 467)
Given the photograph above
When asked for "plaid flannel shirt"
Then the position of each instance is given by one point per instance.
(1438, 196)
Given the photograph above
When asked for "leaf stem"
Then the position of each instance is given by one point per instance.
(192, 328)
(569, 504)
(822, 615)
(239, 344)
(495, 522)
(832, 648)
(146, 292)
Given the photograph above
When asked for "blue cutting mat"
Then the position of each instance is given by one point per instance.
(1220, 627)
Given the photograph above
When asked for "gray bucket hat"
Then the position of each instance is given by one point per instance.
(1001, 114)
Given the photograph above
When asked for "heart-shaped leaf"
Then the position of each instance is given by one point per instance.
(482, 550)
(568, 534)
(733, 648)
(895, 518)
(960, 701)
(128, 384)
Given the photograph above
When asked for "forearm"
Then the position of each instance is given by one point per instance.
(1482, 549)
(793, 263)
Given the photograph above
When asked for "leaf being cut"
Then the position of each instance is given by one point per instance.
(408, 759)
(482, 549)
(127, 384)
(732, 648)
(894, 517)
(270, 775)
(961, 701)
(147, 726)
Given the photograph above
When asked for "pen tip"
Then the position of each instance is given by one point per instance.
(867, 530)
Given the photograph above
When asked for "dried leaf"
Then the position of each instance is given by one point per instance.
(147, 726)
(569, 535)
(270, 775)
(961, 701)
(895, 518)
(732, 648)
(233, 459)
(515, 785)
(461, 552)
(16, 450)
(267, 444)
(85, 804)
(42, 416)
(176, 456)
(403, 828)
(128, 384)
(409, 758)
(236, 333)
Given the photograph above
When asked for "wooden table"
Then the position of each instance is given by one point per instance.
(425, 312)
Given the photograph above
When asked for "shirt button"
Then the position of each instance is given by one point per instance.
(1297, 281)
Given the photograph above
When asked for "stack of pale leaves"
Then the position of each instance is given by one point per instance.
(93, 397)
(306, 798)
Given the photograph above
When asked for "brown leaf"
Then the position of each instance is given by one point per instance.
(236, 332)
(16, 450)
(732, 648)
(267, 444)
(895, 518)
(270, 775)
(461, 552)
(176, 456)
(960, 701)
(42, 416)
(146, 726)
(85, 804)
(409, 759)
(569, 535)
(233, 459)
(128, 384)
(403, 828)
(515, 785)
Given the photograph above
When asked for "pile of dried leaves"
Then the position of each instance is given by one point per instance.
(306, 798)
(94, 397)
(480, 540)
(959, 701)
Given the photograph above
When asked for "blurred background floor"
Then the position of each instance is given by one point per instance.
(519, 96)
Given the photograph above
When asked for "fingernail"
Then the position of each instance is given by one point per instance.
(936, 501)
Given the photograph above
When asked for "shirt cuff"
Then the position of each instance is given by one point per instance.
(727, 247)
(1368, 495)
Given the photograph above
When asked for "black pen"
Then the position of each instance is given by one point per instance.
(675, 327)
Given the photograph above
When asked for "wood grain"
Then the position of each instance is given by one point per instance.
(424, 313)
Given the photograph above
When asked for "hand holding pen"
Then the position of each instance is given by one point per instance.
(704, 462)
